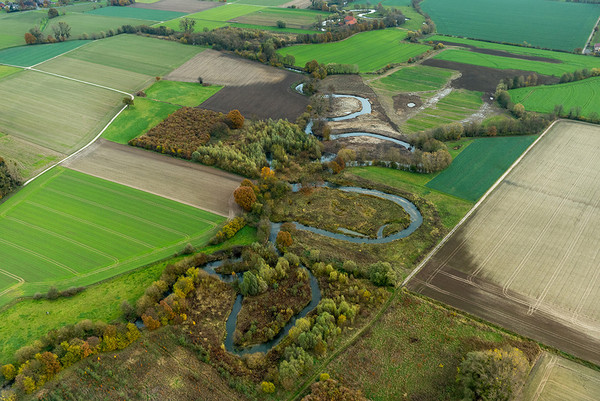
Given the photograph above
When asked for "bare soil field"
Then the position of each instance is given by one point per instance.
(553, 377)
(186, 182)
(256, 90)
(484, 79)
(183, 6)
(217, 68)
(527, 258)
(501, 53)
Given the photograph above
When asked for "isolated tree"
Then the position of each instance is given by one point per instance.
(52, 13)
(284, 239)
(200, 80)
(493, 375)
(245, 197)
(236, 118)
(30, 39)
(187, 25)
(128, 101)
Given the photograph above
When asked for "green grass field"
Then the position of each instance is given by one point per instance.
(548, 24)
(198, 27)
(476, 169)
(266, 3)
(584, 94)
(56, 113)
(570, 64)
(369, 50)
(450, 208)
(26, 321)
(294, 18)
(138, 54)
(6, 71)
(271, 28)
(188, 94)
(14, 25)
(68, 228)
(458, 105)
(136, 13)
(89, 23)
(116, 78)
(137, 120)
(26, 56)
(415, 79)
(225, 13)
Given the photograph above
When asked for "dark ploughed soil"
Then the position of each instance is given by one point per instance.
(485, 79)
(266, 100)
(502, 53)
(402, 100)
(182, 6)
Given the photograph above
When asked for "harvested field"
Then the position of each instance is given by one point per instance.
(553, 377)
(484, 79)
(218, 68)
(30, 158)
(527, 258)
(137, 13)
(294, 18)
(184, 6)
(297, 3)
(185, 182)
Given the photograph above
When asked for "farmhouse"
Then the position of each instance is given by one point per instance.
(597, 48)
(349, 20)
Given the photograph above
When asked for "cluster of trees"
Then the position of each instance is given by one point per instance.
(391, 16)
(327, 389)
(229, 230)
(578, 75)
(520, 81)
(493, 375)
(10, 178)
(53, 293)
(279, 140)
(120, 3)
(39, 363)
(182, 132)
(61, 32)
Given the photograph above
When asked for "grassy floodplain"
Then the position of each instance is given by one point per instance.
(584, 94)
(369, 50)
(479, 166)
(550, 24)
(458, 105)
(98, 302)
(415, 79)
(61, 230)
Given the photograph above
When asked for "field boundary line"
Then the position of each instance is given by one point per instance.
(62, 54)
(476, 206)
(589, 39)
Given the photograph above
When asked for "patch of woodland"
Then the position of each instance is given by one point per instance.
(181, 133)
(9, 178)
(327, 389)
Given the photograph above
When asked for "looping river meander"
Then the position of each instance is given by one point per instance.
(415, 222)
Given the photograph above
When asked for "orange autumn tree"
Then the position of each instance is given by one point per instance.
(245, 197)
(236, 118)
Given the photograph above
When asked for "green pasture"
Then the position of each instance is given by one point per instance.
(476, 169)
(138, 119)
(369, 50)
(6, 71)
(225, 13)
(68, 228)
(81, 23)
(79, 7)
(272, 28)
(188, 94)
(265, 3)
(14, 25)
(198, 27)
(27, 56)
(294, 18)
(373, 3)
(116, 78)
(53, 112)
(457, 106)
(147, 1)
(148, 56)
(584, 94)
(136, 13)
(415, 79)
(548, 24)
(26, 321)
(570, 64)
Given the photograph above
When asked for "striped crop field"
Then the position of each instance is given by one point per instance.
(69, 228)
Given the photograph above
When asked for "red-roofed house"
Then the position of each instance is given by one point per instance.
(349, 20)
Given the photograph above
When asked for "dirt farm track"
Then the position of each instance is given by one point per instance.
(528, 258)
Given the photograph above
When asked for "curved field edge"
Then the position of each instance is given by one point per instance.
(72, 246)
